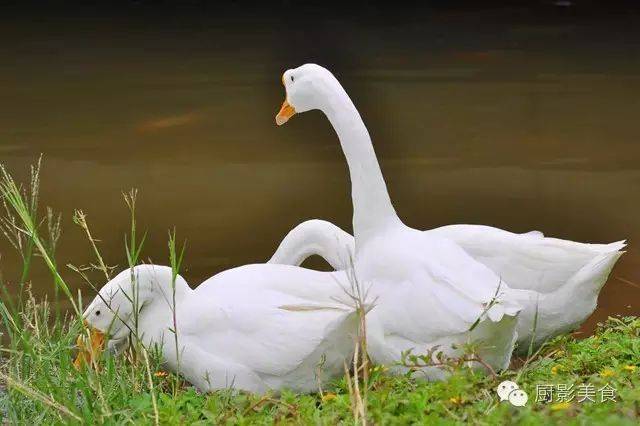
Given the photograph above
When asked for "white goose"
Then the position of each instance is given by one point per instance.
(430, 291)
(253, 328)
(565, 276)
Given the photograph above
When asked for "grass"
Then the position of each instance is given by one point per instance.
(44, 387)
(39, 384)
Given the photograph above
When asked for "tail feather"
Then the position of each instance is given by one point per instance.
(615, 246)
(595, 274)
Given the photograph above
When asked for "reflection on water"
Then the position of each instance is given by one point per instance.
(505, 122)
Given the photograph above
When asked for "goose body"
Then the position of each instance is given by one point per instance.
(563, 277)
(255, 328)
(429, 291)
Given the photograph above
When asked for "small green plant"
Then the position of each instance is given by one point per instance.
(436, 357)
(175, 259)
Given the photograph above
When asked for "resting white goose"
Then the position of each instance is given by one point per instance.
(430, 291)
(565, 276)
(253, 328)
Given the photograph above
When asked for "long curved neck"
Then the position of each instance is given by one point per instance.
(315, 237)
(372, 208)
(294, 252)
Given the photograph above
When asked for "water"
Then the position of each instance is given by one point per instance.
(513, 118)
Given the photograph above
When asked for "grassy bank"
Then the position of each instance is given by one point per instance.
(43, 387)
(39, 384)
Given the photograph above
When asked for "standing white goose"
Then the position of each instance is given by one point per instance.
(565, 277)
(254, 328)
(430, 291)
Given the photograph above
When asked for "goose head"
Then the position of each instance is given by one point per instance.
(307, 87)
(110, 315)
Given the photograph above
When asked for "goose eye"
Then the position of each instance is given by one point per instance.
(291, 79)
(97, 312)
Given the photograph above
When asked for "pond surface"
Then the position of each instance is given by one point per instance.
(517, 119)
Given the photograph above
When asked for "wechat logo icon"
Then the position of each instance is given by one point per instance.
(510, 391)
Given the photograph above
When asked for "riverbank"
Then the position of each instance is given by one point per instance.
(590, 381)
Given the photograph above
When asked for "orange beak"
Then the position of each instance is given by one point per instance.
(88, 352)
(285, 113)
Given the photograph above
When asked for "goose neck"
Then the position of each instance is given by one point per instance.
(372, 208)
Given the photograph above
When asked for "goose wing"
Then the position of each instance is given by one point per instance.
(531, 261)
(271, 318)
